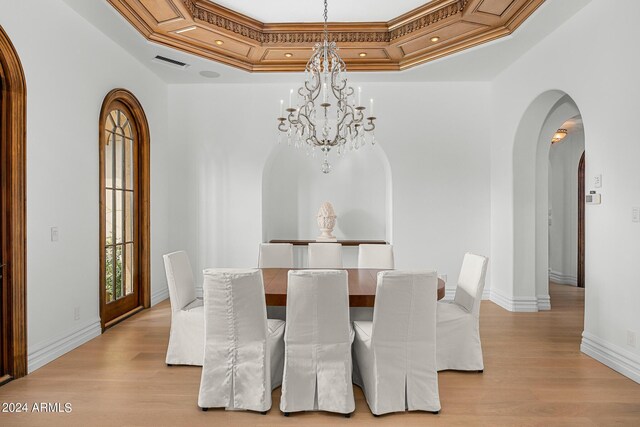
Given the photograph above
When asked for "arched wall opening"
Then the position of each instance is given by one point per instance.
(358, 187)
(531, 197)
(566, 219)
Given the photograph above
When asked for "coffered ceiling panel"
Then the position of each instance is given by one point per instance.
(496, 7)
(435, 29)
(161, 10)
(456, 30)
(206, 38)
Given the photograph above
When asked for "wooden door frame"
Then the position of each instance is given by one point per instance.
(581, 228)
(141, 126)
(13, 139)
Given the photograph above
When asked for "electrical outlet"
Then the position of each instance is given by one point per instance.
(597, 181)
(635, 214)
(76, 313)
(631, 339)
(54, 234)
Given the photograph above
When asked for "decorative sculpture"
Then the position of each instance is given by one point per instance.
(326, 221)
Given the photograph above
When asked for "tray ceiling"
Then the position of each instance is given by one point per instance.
(433, 30)
(311, 10)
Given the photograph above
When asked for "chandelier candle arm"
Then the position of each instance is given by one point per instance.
(335, 122)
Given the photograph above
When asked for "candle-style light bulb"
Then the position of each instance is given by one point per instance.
(290, 96)
(281, 107)
(359, 96)
(371, 107)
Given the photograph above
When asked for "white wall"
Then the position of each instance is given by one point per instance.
(69, 68)
(564, 158)
(436, 145)
(600, 77)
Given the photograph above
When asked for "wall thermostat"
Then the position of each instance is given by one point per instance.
(593, 199)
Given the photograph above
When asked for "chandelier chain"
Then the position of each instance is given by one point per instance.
(326, 17)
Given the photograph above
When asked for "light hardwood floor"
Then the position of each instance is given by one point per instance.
(534, 375)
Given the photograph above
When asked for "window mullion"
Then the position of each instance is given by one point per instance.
(114, 210)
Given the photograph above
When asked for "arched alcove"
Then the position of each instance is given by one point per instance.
(531, 196)
(359, 187)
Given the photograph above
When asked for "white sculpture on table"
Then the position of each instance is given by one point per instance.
(326, 221)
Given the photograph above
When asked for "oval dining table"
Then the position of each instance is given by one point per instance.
(362, 286)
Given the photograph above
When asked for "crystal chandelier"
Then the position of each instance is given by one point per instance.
(324, 113)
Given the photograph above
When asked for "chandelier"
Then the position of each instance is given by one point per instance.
(324, 113)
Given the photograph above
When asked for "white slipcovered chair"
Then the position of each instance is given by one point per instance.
(318, 336)
(186, 336)
(395, 355)
(458, 326)
(375, 256)
(244, 352)
(325, 255)
(275, 255)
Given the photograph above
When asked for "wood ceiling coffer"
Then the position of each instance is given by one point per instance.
(207, 29)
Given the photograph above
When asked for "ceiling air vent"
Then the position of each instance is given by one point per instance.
(171, 62)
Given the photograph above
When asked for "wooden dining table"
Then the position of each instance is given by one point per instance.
(362, 286)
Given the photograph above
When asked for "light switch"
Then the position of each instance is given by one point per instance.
(597, 181)
(54, 234)
(635, 214)
(593, 198)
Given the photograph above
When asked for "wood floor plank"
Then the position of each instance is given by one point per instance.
(535, 375)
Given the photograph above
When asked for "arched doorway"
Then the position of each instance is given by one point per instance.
(125, 273)
(564, 203)
(531, 196)
(13, 334)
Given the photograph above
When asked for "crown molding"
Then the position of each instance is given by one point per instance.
(194, 26)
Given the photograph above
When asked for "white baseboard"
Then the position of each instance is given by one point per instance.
(159, 296)
(544, 302)
(450, 293)
(562, 279)
(516, 304)
(50, 350)
(617, 358)
(502, 301)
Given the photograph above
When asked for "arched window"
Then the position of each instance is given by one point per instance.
(124, 207)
